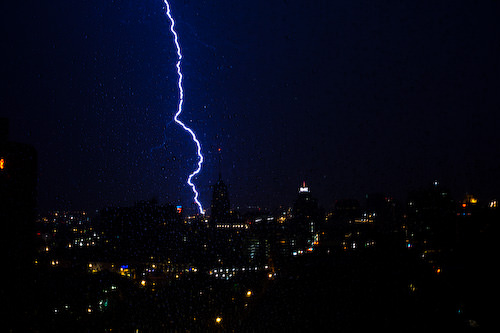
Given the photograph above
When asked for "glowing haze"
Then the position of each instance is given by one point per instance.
(179, 110)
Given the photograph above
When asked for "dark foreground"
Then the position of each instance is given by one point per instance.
(340, 292)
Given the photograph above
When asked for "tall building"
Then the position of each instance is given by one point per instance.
(220, 209)
(306, 217)
(18, 180)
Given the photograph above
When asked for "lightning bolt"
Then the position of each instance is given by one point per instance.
(179, 109)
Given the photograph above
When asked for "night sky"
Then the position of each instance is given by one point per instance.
(353, 97)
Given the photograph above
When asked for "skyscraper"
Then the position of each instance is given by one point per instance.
(18, 180)
(220, 209)
(306, 216)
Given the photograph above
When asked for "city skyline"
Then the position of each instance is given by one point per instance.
(134, 266)
(297, 268)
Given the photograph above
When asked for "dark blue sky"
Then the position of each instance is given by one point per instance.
(352, 96)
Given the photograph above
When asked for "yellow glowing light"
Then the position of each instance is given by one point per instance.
(2, 164)
(473, 200)
(218, 320)
(249, 293)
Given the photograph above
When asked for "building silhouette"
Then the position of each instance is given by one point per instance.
(18, 182)
(431, 219)
(306, 217)
(146, 229)
(220, 208)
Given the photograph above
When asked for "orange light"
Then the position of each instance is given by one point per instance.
(464, 205)
(2, 164)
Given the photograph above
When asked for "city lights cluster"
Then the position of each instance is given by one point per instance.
(229, 272)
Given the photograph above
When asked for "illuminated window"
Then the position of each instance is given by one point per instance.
(2, 164)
